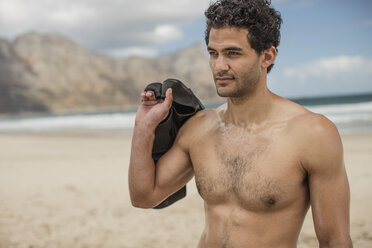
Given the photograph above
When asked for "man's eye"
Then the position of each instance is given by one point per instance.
(212, 53)
(232, 53)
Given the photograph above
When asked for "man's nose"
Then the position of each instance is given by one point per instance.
(221, 64)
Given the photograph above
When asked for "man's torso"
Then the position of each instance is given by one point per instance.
(254, 187)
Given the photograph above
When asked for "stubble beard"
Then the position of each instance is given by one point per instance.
(243, 86)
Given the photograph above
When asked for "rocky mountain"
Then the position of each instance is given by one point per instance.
(16, 92)
(50, 73)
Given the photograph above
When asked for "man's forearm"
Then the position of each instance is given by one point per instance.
(348, 245)
(141, 166)
(344, 242)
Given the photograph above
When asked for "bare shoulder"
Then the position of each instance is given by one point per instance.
(318, 140)
(201, 119)
(198, 126)
(313, 136)
(314, 125)
(303, 123)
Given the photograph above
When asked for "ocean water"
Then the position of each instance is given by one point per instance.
(351, 114)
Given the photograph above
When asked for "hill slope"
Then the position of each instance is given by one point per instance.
(50, 73)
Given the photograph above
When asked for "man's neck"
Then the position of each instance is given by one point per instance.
(250, 110)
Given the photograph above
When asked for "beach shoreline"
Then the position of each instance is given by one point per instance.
(70, 189)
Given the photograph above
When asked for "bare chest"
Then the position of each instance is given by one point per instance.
(258, 172)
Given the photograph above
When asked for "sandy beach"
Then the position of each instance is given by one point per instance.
(70, 190)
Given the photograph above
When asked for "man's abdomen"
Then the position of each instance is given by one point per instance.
(230, 226)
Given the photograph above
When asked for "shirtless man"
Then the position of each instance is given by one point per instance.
(259, 160)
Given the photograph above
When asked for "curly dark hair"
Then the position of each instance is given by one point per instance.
(262, 21)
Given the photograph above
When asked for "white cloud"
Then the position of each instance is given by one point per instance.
(331, 68)
(147, 52)
(102, 25)
(67, 16)
(11, 10)
(324, 76)
(166, 33)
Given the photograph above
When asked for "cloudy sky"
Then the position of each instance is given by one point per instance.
(325, 47)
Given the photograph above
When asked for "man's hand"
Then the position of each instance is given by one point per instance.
(152, 111)
(149, 185)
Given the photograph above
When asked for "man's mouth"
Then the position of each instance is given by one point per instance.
(223, 79)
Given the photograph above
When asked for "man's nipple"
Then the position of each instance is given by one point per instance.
(269, 201)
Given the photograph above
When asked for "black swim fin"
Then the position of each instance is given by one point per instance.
(185, 104)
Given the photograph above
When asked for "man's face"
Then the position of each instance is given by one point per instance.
(234, 64)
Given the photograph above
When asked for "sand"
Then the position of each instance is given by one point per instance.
(71, 190)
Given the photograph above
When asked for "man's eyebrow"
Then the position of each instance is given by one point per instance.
(226, 49)
(232, 49)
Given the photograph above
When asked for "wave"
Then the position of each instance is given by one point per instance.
(68, 122)
(340, 108)
(343, 115)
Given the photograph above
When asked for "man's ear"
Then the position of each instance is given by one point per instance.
(269, 56)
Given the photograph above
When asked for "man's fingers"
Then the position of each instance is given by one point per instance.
(168, 98)
(143, 96)
(148, 96)
(149, 99)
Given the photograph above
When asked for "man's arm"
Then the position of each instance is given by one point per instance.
(149, 185)
(328, 184)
